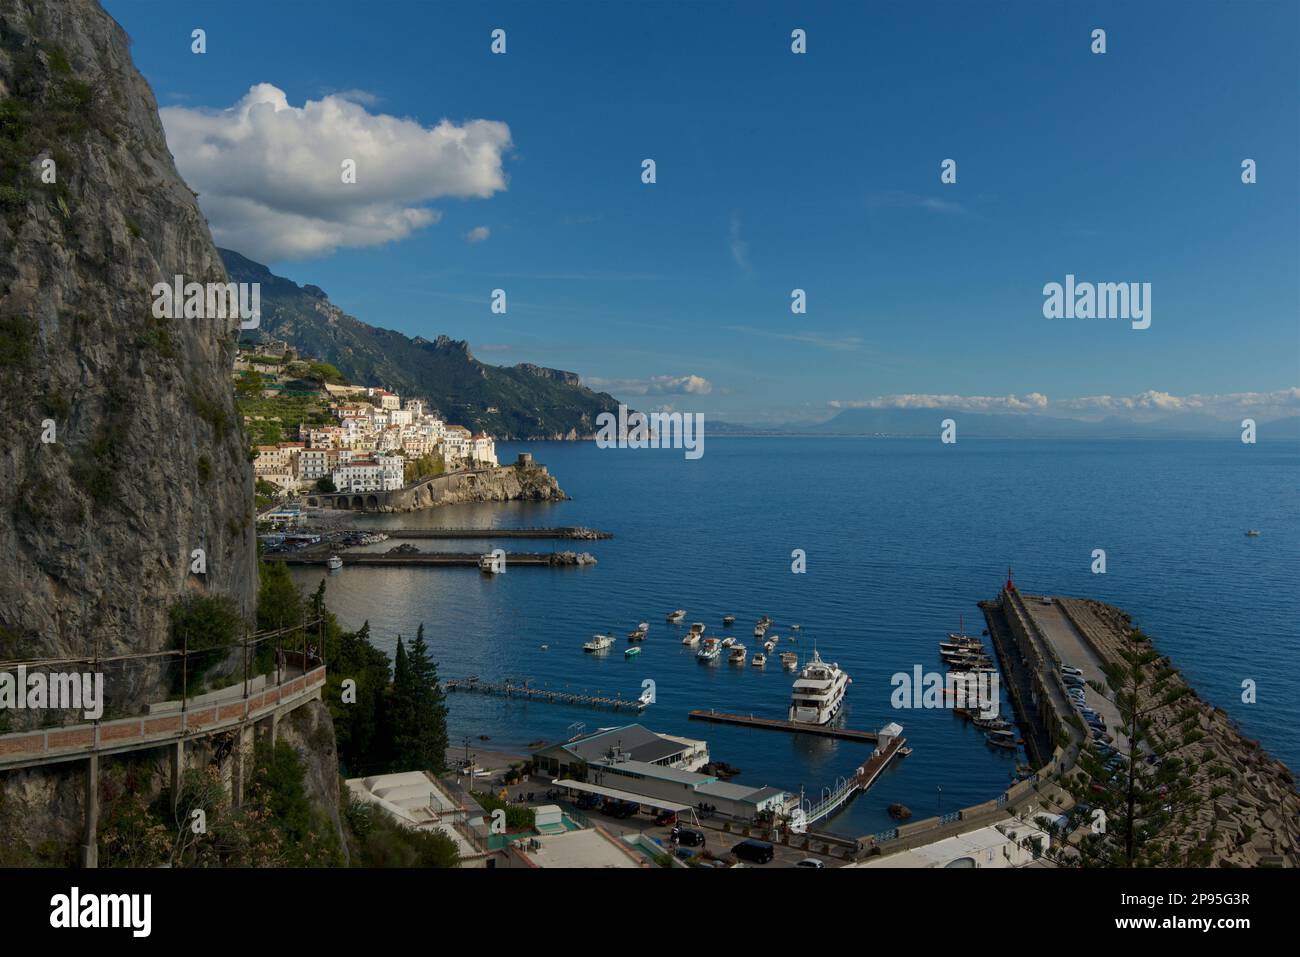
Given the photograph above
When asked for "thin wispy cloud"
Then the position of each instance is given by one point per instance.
(820, 341)
(895, 199)
(478, 234)
(739, 247)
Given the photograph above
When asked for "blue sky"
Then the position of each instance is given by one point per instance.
(818, 171)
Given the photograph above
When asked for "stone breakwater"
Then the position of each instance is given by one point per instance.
(1256, 820)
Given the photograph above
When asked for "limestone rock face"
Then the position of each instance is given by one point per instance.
(148, 464)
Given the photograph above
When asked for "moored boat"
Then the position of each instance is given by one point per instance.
(691, 638)
(598, 643)
(789, 660)
(818, 692)
(759, 660)
(675, 617)
(737, 656)
(728, 620)
(632, 652)
(710, 649)
(334, 562)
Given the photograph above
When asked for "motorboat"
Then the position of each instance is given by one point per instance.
(737, 656)
(691, 638)
(818, 692)
(1001, 738)
(647, 697)
(1252, 533)
(675, 617)
(698, 627)
(728, 620)
(632, 652)
(759, 660)
(334, 562)
(728, 641)
(760, 630)
(794, 627)
(598, 643)
(640, 632)
(770, 644)
(789, 660)
(710, 649)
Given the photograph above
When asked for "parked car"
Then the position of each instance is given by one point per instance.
(810, 862)
(666, 818)
(756, 852)
(688, 837)
(1068, 670)
(587, 802)
(620, 809)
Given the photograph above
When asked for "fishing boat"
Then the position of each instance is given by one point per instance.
(632, 652)
(737, 656)
(728, 641)
(789, 660)
(640, 632)
(598, 643)
(991, 724)
(1001, 738)
(691, 638)
(770, 644)
(334, 562)
(675, 617)
(710, 649)
(728, 620)
(818, 692)
(960, 633)
(759, 660)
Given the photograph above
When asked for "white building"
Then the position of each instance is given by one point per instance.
(483, 450)
(1009, 843)
(360, 475)
(391, 471)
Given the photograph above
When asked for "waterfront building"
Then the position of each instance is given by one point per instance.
(359, 475)
(1009, 843)
(483, 450)
(632, 740)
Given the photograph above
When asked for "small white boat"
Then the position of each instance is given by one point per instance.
(598, 643)
(789, 660)
(770, 643)
(728, 641)
(546, 647)
(738, 653)
(710, 649)
(691, 638)
(794, 627)
(647, 697)
(490, 564)
(674, 617)
(1252, 533)
(334, 562)
(760, 631)
(640, 632)
(698, 627)
(759, 660)
(728, 620)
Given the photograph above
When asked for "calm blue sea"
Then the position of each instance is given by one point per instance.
(902, 536)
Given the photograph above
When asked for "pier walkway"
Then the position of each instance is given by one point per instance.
(511, 689)
(776, 724)
(859, 782)
(437, 559)
(574, 532)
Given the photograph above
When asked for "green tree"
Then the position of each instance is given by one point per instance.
(429, 710)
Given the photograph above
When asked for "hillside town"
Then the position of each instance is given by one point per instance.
(374, 440)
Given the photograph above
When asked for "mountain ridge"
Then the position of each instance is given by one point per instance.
(523, 401)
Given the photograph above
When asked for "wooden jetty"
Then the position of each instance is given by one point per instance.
(776, 724)
(445, 559)
(564, 531)
(511, 689)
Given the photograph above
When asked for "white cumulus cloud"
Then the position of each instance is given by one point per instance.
(269, 174)
(655, 385)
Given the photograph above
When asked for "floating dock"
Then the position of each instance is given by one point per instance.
(776, 724)
(510, 689)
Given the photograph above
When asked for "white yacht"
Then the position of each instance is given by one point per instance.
(789, 660)
(691, 638)
(709, 650)
(818, 692)
(737, 656)
(334, 562)
(598, 643)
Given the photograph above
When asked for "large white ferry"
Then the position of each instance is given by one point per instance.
(818, 692)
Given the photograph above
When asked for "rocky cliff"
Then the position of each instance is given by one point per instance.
(120, 450)
(512, 483)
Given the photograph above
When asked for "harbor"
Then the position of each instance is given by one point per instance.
(435, 559)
